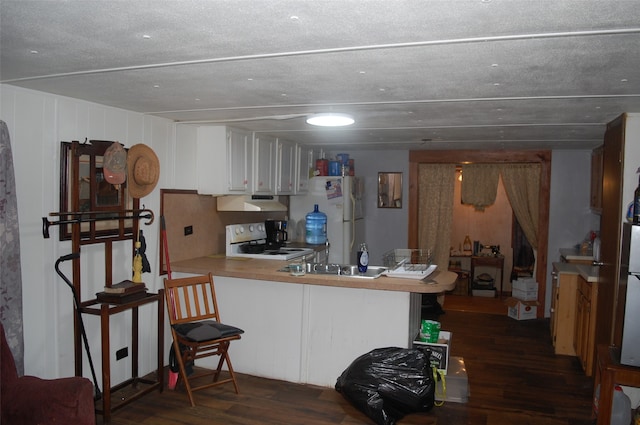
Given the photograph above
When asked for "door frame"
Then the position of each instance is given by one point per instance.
(506, 157)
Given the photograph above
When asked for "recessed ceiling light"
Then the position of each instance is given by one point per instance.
(330, 119)
(146, 36)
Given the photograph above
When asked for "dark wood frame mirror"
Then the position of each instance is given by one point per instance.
(389, 190)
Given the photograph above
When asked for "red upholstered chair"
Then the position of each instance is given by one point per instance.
(29, 400)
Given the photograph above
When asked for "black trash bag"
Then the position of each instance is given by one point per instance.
(388, 383)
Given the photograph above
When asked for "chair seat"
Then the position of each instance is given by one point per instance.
(206, 330)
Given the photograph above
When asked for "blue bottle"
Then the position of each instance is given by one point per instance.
(363, 258)
(316, 227)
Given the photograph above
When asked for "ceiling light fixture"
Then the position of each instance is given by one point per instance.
(330, 119)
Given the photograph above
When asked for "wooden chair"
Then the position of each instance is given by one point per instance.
(197, 331)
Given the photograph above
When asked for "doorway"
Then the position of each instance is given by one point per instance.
(506, 157)
(491, 228)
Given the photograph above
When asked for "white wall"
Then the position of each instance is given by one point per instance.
(37, 123)
(570, 218)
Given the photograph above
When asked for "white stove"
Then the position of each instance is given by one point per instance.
(250, 241)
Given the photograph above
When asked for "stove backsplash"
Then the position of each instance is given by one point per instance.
(184, 209)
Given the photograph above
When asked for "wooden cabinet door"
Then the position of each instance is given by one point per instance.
(564, 316)
(610, 228)
(596, 179)
(578, 334)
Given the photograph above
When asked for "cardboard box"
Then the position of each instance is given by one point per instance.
(524, 295)
(456, 381)
(521, 310)
(525, 284)
(439, 350)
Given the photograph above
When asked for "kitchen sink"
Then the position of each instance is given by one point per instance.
(347, 270)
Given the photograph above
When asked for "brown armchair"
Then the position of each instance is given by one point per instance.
(31, 400)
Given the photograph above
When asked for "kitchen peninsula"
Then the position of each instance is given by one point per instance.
(309, 328)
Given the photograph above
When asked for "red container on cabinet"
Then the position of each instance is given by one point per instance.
(322, 167)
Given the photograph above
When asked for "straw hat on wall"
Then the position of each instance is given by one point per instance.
(143, 168)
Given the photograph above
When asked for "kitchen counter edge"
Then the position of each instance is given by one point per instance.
(258, 269)
(589, 273)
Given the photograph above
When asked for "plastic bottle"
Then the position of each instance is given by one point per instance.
(620, 408)
(363, 258)
(466, 245)
(316, 227)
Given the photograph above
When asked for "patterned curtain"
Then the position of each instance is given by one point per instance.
(522, 184)
(435, 210)
(479, 185)
(10, 272)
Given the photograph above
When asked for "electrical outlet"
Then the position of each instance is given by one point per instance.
(122, 353)
(188, 230)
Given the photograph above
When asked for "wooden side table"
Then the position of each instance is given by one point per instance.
(609, 372)
(105, 310)
(488, 261)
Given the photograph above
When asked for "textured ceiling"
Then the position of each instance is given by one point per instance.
(415, 74)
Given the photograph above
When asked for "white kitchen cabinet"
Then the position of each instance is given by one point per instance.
(285, 167)
(224, 161)
(264, 151)
(304, 165)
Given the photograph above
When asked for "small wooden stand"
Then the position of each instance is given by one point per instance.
(609, 372)
(105, 311)
(488, 261)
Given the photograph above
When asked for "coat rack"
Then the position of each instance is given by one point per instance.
(93, 211)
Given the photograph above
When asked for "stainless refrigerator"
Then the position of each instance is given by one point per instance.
(629, 295)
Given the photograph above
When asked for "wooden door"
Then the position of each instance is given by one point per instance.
(610, 228)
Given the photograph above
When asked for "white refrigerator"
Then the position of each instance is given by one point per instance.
(340, 198)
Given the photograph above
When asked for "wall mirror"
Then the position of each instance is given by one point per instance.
(389, 190)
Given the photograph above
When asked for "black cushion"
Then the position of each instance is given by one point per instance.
(206, 330)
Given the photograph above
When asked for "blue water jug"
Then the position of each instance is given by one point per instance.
(316, 227)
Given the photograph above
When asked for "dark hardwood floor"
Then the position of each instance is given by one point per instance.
(514, 378)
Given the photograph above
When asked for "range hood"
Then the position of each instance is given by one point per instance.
(250, 203)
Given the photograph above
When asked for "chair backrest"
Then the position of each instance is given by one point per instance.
(191, 299)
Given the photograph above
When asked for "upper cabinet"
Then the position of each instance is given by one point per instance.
(223, 161)
(304, 167)
(231, 161)
(285, 167)
(596, 179)
(264, 152)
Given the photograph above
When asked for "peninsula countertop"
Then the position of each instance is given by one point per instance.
(258, 269)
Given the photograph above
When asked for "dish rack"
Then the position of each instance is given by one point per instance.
(409, 263)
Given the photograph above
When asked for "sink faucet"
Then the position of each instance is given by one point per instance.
(327, 245)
